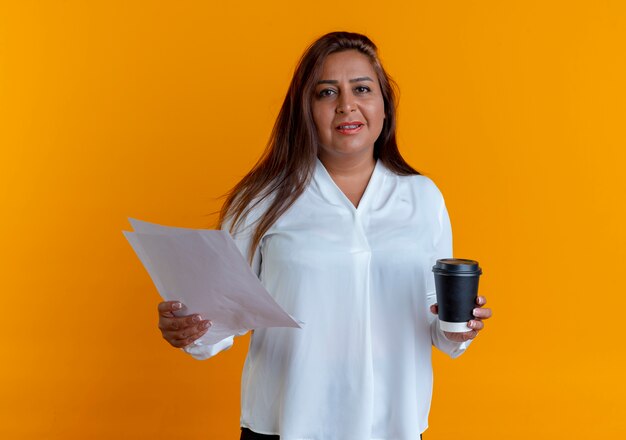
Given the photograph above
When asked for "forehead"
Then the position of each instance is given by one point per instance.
(347, 64)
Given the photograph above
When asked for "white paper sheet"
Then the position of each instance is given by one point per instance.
(204, 270)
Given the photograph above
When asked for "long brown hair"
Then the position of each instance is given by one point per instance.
(285, 168)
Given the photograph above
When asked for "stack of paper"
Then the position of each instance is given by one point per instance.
(205, 271)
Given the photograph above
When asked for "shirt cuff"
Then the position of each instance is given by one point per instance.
(451, 348)
(202, 352)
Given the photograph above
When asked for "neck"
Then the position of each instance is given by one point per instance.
(351, 175)
(348, 167)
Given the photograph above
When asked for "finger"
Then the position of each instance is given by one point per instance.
(182, 343)
(434, 308)
(167, 308)
(466, 336)
(461, 337)
(190, 331)
(470, 335)
(476, 324)
(197, 335)
(481, 300)
(179, 322)
(186, 337)
(482, 313)
(185, 342)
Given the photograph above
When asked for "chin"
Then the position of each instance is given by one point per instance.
(356, 152)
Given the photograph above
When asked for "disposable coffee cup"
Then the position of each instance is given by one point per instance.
(456, 285)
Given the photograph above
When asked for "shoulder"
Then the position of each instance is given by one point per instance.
(419, 187)
(250, 217)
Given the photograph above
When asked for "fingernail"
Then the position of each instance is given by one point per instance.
(475, 312)
(196, 318)
(176, 306)
(470, 324)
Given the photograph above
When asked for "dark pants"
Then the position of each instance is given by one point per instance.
(246, 434)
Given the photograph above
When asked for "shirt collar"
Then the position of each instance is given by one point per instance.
(329, 191)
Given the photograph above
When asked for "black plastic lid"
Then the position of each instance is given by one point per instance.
(458, 266)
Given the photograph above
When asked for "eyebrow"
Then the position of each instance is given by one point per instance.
(353, 80)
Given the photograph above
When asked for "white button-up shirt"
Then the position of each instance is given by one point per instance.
(361, 280)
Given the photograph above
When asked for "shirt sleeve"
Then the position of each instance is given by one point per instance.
(443, 249)
(242, 238)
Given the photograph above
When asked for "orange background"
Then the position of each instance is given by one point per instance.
(147, 109)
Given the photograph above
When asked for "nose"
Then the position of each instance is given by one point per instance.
(345, 105)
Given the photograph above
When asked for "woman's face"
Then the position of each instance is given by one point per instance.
(348, 107)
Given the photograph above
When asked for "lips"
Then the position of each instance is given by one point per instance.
(349, 127)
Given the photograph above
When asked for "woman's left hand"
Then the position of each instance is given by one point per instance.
(476, 324)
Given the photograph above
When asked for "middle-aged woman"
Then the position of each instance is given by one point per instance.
(343, 233)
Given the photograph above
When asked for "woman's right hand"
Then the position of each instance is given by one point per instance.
(180, 331)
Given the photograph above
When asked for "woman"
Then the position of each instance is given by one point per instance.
(343, 233)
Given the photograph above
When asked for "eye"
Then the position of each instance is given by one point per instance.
(362, 89)
(326, 92)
